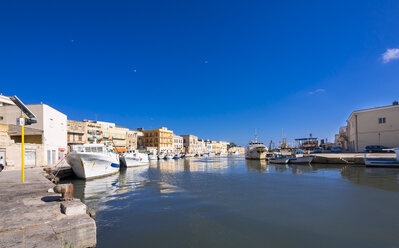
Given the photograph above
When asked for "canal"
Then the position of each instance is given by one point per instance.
(231, 202)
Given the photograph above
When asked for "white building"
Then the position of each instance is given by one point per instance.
(374, 126)
(202, 146)
(50, 131)
(178, 144)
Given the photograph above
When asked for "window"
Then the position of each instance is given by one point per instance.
(381, 120)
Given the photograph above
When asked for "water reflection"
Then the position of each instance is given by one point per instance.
(382, 178)
(233, 202)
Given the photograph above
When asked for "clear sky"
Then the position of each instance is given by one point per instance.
(216, 69)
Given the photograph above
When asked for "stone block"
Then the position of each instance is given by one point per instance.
(74, 207)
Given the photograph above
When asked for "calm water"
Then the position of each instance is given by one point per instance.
(230, 202)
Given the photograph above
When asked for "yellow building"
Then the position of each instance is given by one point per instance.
(162, 138)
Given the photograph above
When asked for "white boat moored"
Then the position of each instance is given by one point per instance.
(92, 160)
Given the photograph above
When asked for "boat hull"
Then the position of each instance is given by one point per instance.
(92, 165)
(127, 161)
(257, 153)
(301, 160)
(279, 160)
(381, 162)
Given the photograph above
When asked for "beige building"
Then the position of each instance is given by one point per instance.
(374, 126)
(190, 143)
(132, 139)
(178, 144)
(161, 138)
(341, 139)
(76, 131)
(50, 131)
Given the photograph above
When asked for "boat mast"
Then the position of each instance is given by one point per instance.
(256, 136)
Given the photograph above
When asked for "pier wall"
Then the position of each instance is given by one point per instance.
(31, 216)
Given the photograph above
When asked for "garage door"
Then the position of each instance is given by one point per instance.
(30, 158)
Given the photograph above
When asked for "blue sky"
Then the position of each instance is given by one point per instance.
(217, 69)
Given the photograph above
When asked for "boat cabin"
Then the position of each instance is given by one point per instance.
(98, 148)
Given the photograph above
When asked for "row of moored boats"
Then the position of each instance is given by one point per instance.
(257, 150)
(95, 160)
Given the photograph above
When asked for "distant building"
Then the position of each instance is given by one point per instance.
(373, 126)
(341, 139)
(162, 138)
(220, 146)
(178, 144)
(202, 146)
(190, 143)
(50, 131)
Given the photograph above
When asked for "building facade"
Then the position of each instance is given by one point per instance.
(49, 131)
(178, 144)
(76, 131)
(161, 138)
(190, 143)
(374, 126)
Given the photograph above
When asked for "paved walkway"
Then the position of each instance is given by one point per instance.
(31, 217)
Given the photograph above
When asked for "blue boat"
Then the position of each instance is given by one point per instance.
(383, 162)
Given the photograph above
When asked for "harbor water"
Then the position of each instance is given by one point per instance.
(233, 202)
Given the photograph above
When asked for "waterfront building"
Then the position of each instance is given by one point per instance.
(202, 146)
(341, 139)
(117, 138)
(161, 138)
(178, 144)
(132, 139)
(208, 144)
(50, 131)
(215, 146)
(224, 146)
(190, 143)
(94, 132)
(76, 131)
(373, 126)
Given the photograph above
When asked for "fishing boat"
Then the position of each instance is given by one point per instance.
(383, 162)
(279, 159)
(169, 156)
(161, 156)
(182, 155)
(299, 158)
(256, 150)
(152, 156)
(133, 158)
(176, 156)
(92, 160)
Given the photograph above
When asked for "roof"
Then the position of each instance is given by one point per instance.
(299, 139)
(6, 99)
(373, 109)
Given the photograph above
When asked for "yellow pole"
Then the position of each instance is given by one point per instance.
(23, 152)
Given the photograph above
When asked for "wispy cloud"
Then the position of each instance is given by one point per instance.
(316, 91)
(390, 54)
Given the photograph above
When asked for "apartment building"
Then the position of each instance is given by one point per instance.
(190, 143)
(178, 144)
(161, 138)
(373, 126)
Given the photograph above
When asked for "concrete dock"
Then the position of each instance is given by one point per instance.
(30, 216)
(347, 158)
